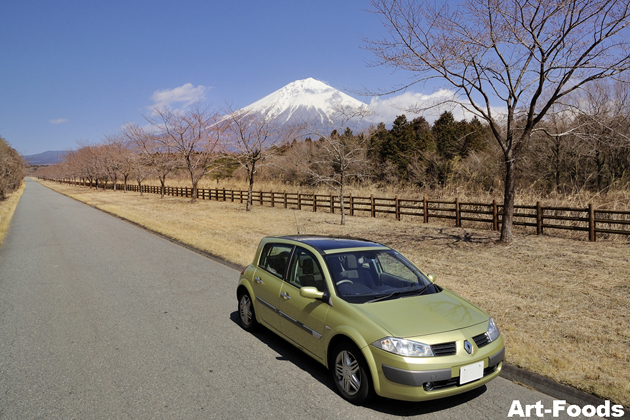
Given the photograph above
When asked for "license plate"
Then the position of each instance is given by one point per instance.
(470, 373)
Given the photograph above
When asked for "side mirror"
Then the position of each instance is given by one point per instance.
(311, 293)
(431, 277)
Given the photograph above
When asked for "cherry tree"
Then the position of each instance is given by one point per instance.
(507, 61)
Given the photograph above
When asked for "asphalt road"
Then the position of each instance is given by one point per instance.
(100, 319)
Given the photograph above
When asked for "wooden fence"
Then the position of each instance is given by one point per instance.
(591, 220)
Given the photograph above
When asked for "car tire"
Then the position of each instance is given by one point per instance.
(246, 314)
(351, 374)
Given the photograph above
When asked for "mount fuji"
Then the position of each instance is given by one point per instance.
(307, 101)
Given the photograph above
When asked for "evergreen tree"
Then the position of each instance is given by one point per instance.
(400, 145)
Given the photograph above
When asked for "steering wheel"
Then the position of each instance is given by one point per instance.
(344, 281)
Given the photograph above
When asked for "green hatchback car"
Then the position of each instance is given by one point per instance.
(370, 316)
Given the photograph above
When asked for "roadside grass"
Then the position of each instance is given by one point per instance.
(7, 208)
(563, 305)
(614, 199)
(617, 199)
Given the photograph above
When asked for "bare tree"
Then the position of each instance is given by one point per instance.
(121, 156)
(87, 162)
(142, 169)
(550, 152)
(339, 156)
(523, 54)
(108, 154)
(12, 169)
(254, 136)
(195, 136)
(602, 123)
(156, 154)
(142, 159)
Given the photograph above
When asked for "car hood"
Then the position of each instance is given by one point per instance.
(415, 316)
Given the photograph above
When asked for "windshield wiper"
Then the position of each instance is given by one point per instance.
(398, 293)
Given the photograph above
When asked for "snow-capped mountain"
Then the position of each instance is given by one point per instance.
(306, 101)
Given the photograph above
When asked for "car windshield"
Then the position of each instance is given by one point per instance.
(375, 275)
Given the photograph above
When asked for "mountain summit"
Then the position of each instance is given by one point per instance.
(306, 100)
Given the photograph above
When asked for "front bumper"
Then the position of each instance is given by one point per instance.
(418, 379)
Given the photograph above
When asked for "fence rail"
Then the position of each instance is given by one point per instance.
(591, 220)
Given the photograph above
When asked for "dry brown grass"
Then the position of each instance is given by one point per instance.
(563, 305)
(614, 200)
(7, 208)
(617, 199)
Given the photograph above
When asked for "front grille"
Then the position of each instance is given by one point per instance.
(481, 340)
(444, 349)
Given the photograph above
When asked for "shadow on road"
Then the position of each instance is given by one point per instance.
(292, 354)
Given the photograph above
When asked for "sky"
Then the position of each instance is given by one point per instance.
(76, 71)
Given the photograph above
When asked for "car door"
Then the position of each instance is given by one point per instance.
(304, 319)
(268, 280)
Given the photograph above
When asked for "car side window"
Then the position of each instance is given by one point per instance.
(306, 271)
(274, 259)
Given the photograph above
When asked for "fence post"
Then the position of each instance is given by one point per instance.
(261, 198)
(299, 196)
(224, 194)
(351, 205)
(397, 208)
(458, 220)
(591, 223)
(425, 206)
(539, 219)
(372, 206)
(314, 203)
(495, 216)
(332, 204)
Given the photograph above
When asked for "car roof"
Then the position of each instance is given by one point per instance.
(330, 243)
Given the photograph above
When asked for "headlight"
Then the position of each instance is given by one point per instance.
(493, 331)
(403, 347)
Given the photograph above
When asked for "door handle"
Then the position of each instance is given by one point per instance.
(284, 295)
(258, 280)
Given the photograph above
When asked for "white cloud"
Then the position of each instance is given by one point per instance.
(186, 95)
(418, 104)
(58, 121)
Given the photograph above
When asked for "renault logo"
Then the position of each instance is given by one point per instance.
(468, 347)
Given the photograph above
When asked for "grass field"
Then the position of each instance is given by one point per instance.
(563, 305)
(7, 208)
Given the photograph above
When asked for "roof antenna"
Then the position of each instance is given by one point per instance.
(297, 227)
